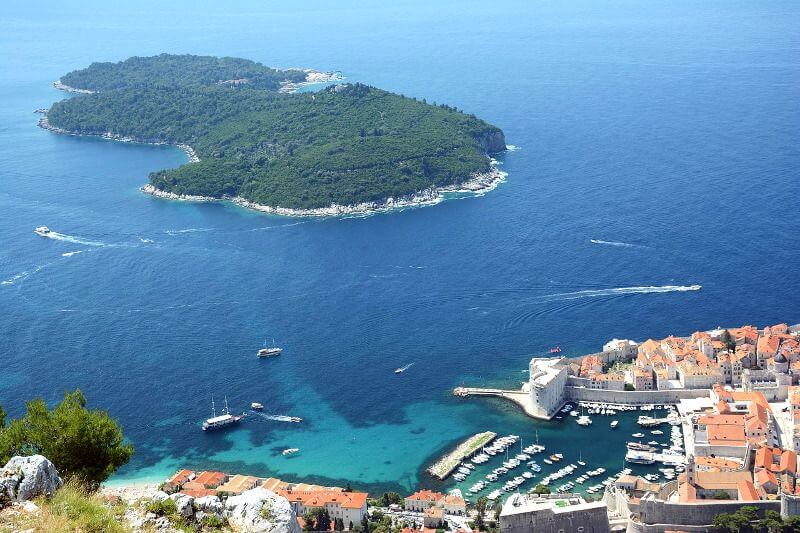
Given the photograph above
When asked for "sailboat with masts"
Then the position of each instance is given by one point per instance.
(224, 420)
(269, 352)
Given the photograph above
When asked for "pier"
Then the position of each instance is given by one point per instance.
(445, 466)
(520, 397)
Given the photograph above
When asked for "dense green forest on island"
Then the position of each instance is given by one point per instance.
(345, 144)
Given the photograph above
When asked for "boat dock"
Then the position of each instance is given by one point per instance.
(648, 458)
(445, 466)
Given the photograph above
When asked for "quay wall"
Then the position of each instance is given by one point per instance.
(583, 394)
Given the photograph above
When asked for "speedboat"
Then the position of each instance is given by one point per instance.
(614, 423)
(638, 435)
(256, 406)
(42, 230)
(290, 451)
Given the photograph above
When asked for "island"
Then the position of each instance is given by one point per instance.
(254, 139)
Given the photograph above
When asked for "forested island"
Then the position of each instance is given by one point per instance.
(252, 140)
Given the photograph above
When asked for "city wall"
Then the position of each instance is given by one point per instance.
(582, 394)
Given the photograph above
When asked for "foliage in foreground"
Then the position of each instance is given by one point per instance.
(73, 508)
(84, 444)
(344, 145)
(746, 520)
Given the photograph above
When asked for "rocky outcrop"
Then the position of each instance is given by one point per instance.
(260, 510)
(493, 142)
(24, 478)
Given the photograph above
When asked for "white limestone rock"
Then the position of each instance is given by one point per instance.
(24, 478)
(184, 504)
(261, 511)
(209, 505)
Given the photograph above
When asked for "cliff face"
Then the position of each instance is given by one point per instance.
(493, 141)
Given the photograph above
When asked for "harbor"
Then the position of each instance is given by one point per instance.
(523, 460)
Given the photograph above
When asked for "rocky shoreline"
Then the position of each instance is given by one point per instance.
(66, 88)
(45, 124)
(312, 77)
(478, 184)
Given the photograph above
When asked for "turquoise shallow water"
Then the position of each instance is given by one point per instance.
(666, 131)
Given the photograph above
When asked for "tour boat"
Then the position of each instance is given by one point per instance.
(42, 230)
(269, 352)
(222, 421)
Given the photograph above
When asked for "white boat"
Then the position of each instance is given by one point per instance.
(638, 435)
(614, 423)
(256, 406)
(290, 451)
(224, 420)
(42, 230)
(269, 352)
(584, 421)
(403, 368)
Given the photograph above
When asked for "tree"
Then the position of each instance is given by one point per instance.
(85, 444)
(721, 495)
(323, 519)
(310, 524)
(728, 340)
(739, 521)
(480, 507)
(348, 488)
(2, 417)
(498, 508)
(365, 523)
(338, 524)
(772, 522)
(541, 489)
(629, 387)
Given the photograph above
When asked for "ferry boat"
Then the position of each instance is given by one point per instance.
(269, 352)
(42, 230)
(224, 420)
(290, 451)
(642, 458)
(639, 447)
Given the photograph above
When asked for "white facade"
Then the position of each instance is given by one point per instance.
(547, 380)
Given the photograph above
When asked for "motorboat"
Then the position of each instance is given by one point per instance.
(43, 231)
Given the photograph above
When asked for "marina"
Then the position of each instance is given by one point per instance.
(445, 466)
(510, 464)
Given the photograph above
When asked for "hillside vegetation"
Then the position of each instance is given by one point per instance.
(346, 144)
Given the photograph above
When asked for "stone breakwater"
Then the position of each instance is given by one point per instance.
(45, 124)
(478, 184)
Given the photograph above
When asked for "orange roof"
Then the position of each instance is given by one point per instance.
(765, 476)
(198, 492)
(747, 491)
(425, 495)
(320, 498)
(210, 479)
(726, 434)
(180, 477)
(768, 344)
(717, 462)
(453, 500)
(238, 484)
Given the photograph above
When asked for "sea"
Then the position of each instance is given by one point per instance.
(652, 189)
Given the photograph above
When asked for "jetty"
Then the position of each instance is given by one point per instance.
(445, 466)
(522, 398)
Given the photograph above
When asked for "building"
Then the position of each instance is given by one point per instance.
(351, 507)
(237, 484)
(553, 514)
(174, 483)
(423, 499)
(547, 380)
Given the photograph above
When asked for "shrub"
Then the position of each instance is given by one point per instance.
(163, 508)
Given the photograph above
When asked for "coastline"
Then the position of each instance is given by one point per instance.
(188, 150)
(477, 185)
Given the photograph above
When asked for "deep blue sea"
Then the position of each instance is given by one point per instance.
(657, 148)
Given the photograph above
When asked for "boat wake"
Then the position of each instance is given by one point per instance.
(174, 232)
(612, 243)
(621, 291)
(278, 418)
(403, 368)
(70, 238)
(70, 254)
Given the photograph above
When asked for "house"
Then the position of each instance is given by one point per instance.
(642, 379)
(453, 504)
(351, 507)
(422, 499)
(433, 517)
(238, 484)
(174, 483)
(694, 485)
(211, 479)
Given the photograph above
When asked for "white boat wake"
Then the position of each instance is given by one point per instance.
(70, 254)
(70, 238)
(621, 291)
(612, 243)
